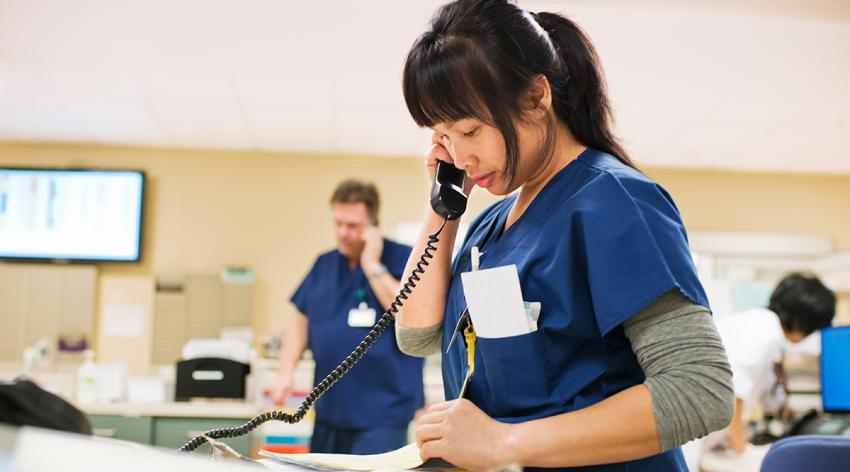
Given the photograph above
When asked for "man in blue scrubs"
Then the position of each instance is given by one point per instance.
(338, 302)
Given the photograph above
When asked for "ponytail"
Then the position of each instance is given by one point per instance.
(579, 93)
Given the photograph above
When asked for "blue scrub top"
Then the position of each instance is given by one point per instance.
(599, 243)
(385, 388)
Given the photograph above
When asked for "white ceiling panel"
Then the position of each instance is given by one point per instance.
(116, 121)
(306, 131)
(380, 132)
(203, 88)
(29, 111)
(741, 85)
(287, 93)
(41, 121)
(204, 125)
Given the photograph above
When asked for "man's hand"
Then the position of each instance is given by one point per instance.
(373, 246)
(281, 390)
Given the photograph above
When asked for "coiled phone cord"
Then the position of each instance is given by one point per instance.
(383, 323)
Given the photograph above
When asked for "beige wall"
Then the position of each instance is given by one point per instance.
(763, 202)
(207, 209)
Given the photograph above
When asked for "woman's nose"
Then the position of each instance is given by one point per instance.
(460, 159)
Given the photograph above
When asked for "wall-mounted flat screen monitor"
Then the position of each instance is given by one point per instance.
(83, 215)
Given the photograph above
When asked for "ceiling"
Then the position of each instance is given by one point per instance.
(754, 85)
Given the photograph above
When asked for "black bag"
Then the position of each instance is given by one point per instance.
(25, 403)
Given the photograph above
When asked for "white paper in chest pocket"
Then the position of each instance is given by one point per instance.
(494, 299)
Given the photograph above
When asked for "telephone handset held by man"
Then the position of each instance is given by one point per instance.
(448, 201)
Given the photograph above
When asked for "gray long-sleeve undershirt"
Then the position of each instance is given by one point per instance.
(681, 354)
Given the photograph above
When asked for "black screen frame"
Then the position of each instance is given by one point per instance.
(88, 261)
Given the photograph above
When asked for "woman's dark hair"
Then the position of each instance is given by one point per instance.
(478, 58)
(803, 303)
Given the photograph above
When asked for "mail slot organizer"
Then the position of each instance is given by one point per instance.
(210, 377)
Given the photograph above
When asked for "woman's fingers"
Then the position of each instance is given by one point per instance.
(431, 417)
(428, 432)
(438, 152)
(441, 406)
(431, 449)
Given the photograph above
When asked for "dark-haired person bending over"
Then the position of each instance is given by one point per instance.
(755, 339)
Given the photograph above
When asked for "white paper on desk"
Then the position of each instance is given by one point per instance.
(405, 458)
(494, 299)
(123, 320)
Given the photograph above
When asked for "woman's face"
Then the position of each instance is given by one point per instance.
(479, 149)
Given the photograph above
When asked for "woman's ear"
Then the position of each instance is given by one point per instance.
(537, 98)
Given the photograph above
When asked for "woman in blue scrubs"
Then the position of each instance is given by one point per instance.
(625, 364)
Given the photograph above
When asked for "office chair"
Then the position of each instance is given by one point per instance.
(808, 453)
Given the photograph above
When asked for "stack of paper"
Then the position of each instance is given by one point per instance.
(406, 458)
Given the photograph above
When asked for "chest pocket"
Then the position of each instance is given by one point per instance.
(517, 374)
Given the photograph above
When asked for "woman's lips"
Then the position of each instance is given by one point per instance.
(485, 180)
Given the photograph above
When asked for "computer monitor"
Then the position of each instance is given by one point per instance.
(84, 215)
(835, 369)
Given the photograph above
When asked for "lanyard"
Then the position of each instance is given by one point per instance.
(469, 332)
(469, 336)
(362, 299)
(470, 340)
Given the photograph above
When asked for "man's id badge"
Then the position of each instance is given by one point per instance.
(362, 316)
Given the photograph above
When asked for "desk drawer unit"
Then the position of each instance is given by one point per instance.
(173, 433)
(138, 429)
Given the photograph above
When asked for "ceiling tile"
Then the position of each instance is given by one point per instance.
(380, 132)
(694, 84)
(283, 130)
(291, 93)
(204, 124)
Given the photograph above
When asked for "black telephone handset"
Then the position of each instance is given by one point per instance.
(447, 197)
(449, 201)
